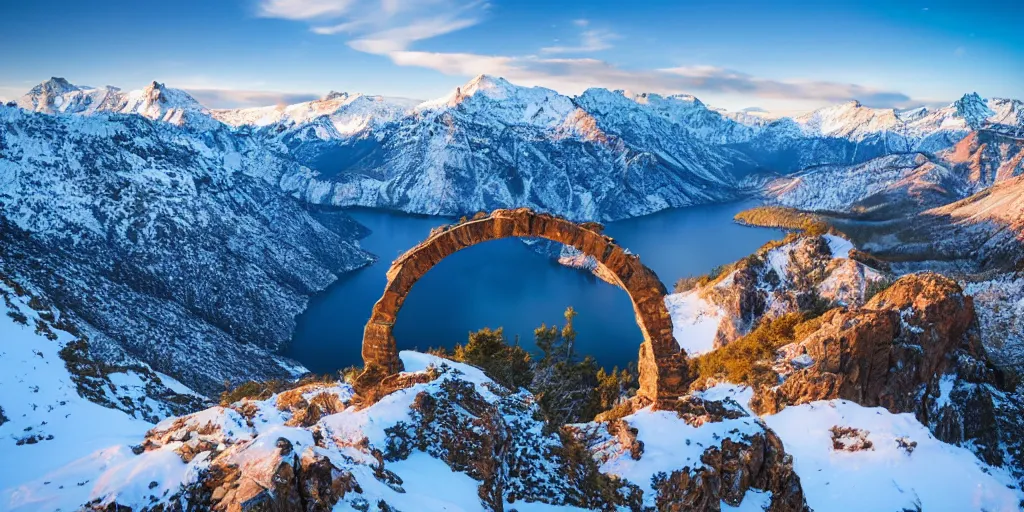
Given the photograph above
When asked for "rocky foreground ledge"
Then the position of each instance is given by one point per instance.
(451, 440)
(887, 405)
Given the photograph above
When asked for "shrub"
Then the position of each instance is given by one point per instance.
(685, 284)
(877, 286)
(748, 359)
(508, 365)
(18, 316)
(262, 390)
(785, 218)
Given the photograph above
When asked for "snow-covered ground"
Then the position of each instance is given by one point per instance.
(934, 476)
(694, 321)
(48, 424)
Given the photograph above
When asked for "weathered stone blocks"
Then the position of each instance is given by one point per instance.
(662, 364)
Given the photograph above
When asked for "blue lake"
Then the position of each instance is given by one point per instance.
(504, 283)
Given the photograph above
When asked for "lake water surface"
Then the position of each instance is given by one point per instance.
(503, 283)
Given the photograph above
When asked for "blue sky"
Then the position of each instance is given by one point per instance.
(784, 56)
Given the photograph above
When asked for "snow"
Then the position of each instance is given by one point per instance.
(755, 500)
(351, 425)
(176, 386)
(946, 385)
(671, 444)
(127, 477)
(39, 398)
(840, 247)
(778, 260)
(935, 476)
(694, 321)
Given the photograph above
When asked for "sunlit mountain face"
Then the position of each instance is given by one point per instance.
(459, 255)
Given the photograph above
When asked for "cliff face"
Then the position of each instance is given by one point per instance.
(912, 348)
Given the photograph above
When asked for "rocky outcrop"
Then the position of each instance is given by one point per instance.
(662, 365)
(913, 348)
(803, 273)
(728, 473)
(886, 353)
(748, 458)
(259, 455)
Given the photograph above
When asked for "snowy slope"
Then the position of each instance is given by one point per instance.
(45, 422)
(932, 476)
(176, 243)
(894, 184)
(370, 458)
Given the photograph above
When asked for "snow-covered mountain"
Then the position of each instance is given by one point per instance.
(113, 180)
(900, 183)
(349, 114)
(175, 243)
(601, 155)
(155, 101)
(493, 144)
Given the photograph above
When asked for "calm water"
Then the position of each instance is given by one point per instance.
(503, 283)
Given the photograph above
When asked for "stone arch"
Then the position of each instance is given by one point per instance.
(662, 364)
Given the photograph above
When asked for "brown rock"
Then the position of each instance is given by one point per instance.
(886, 353)
(729, 471)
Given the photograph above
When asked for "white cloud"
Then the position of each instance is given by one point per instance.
(590, 41)
(392, 27)
(304, 9)
(380, 26)
(234, 98)
(399, 38)
(572, 76)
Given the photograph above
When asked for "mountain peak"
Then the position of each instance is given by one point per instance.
(687, 98)
(973, 109)
(493, 86)
(154, 91)
(335, 95)
(55, 85)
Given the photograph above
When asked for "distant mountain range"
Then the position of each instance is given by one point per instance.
(602, 155)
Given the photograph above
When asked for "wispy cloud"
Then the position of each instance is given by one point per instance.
(393, 27)
(304, 9)
(380, 26)
(572, 76)
(592, 40)
(710, 78)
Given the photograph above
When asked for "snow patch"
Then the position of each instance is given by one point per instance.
(935, 476)
(694, 321)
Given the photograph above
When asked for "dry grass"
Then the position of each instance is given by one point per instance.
(748, 360)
